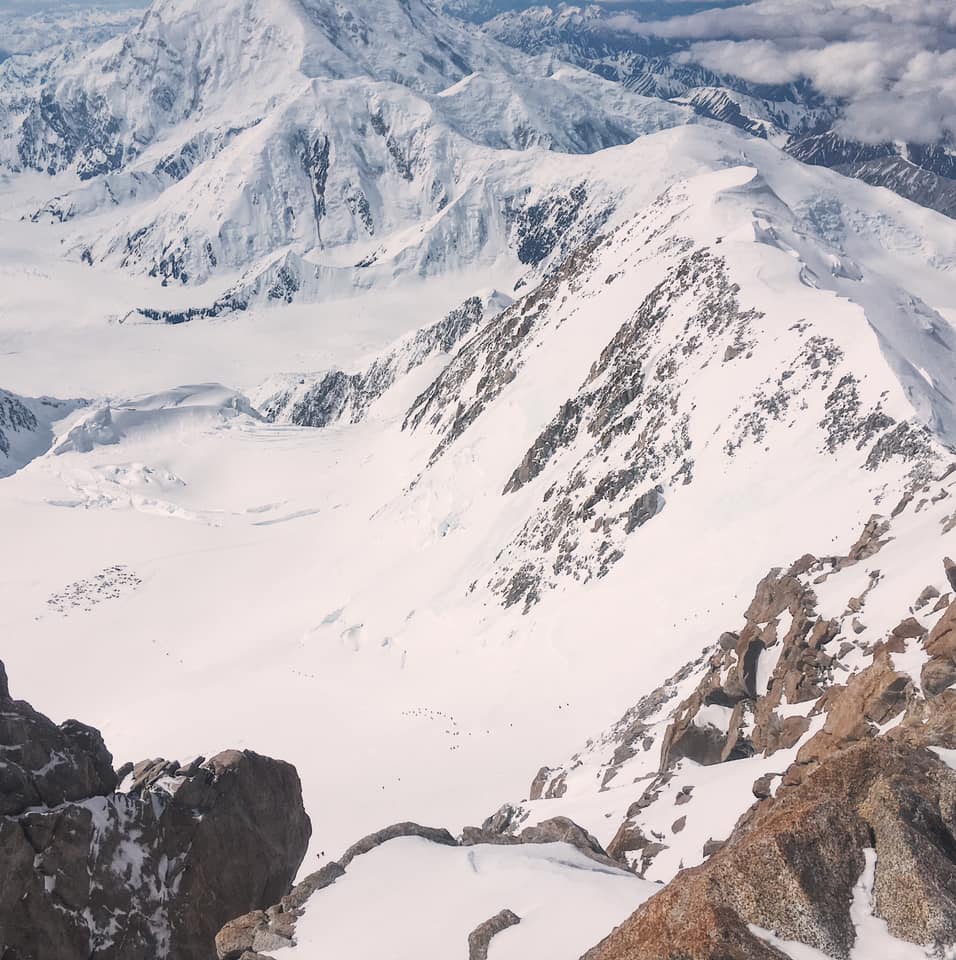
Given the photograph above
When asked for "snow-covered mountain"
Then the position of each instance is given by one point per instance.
(267, 129)
(480, 397)
(26, 31)
(792, 114)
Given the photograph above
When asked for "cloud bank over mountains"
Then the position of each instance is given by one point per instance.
(893, 62)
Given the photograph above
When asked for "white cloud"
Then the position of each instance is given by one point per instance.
(892, 61)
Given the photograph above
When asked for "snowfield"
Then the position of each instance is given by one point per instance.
(695, 360)
(327, 574)
(566, 902)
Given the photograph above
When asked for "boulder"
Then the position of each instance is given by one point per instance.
(563, 830)
(950, 569)
(237, 937)
(939, 672)
(909, 629)
(133, 876)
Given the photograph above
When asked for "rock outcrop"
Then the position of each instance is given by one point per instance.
(793, 862)
(479, 940)
(150, 871)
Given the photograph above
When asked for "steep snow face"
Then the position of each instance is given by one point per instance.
(396, 182)
(232, 64)
(700, 270)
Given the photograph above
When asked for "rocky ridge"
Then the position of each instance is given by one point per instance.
(806, 675)
(857, 725)
(617, 451)
(319, 400)
(275, 928)
(793, 864)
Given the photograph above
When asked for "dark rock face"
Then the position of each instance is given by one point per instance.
(792, 864)
(14, 416)
(151, 873)
(47, 765)
(541, 228)
(337, 395)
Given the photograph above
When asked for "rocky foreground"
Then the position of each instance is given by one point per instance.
(864, 798)
(135, 864)
(154, 860)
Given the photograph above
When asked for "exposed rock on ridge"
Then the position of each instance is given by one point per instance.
(276, 926)
(792, 864)
(336, 395)
(148, 873)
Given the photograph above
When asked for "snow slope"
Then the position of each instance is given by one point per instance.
(428, 898)
(500, 528)
(27, 428)
(264, 536)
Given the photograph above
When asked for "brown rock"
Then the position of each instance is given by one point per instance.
(763, 786)
(728, 640)
(711, 847)
(480, 938)
(871, 697)
(539, 783)
(929, 593)
(311, 884)
(775, 594)
(909, 629)
(939, 672)
(238, 936)
(870, 542)
(563, 830)
(950, 569)
(792, 865)
(629, 838)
